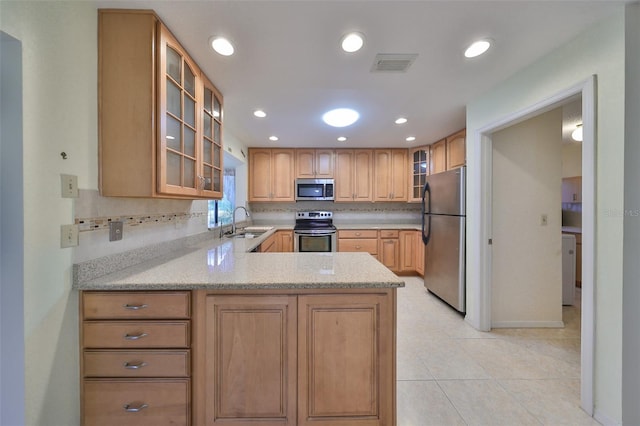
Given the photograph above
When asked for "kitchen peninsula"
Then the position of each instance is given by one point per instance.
(212, 333)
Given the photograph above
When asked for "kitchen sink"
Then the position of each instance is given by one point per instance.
(250, 232)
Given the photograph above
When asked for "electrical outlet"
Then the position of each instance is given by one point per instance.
(69, 186)
(544, 220)
(68, 236)
(115, 230)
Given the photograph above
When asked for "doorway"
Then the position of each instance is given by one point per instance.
(12, 387)
(483, 302)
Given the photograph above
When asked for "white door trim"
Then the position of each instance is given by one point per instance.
(481, 138)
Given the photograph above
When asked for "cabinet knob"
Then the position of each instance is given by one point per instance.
(358, 247)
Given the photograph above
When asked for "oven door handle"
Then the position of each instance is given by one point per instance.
(314, 232)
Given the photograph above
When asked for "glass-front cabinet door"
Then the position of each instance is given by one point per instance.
(419, 162)
(211, 141)
(178, 127)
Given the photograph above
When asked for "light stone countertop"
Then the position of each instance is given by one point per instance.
(226, 264)
(401, 226)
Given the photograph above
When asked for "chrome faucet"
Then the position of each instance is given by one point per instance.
(233, 224)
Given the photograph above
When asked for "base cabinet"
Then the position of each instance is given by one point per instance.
(295, 359)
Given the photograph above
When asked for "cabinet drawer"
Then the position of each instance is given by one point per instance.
(135, 402)
(135, 334)
(132, 304)
(389, 233)
(148, 363)
(358, 233)
(361, 245)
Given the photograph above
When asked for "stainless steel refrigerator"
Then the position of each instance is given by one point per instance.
(443, 233)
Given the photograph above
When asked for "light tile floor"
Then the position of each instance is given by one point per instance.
(451, 374)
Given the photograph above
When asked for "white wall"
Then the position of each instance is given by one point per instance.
(631, 295)
(11, 234)
(600, 51)
(526, 287)
(571, 159)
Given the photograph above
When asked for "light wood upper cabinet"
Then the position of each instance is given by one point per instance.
(456, 150)
(151, 109)
(314, 163)
(572, 189)
(271, 174)
(438, 154)
(418, 172)
(353, 175)
(390, 175)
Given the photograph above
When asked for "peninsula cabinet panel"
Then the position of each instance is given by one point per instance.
(136, 403)
(345, 360)
(271, 175)
(151, 107)
(250, 360)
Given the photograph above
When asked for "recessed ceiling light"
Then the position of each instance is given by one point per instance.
(352, 42)
(401, 120)
(342, 138)
(340, 117)
(259, 113)
(576, 135)
(273, 138)
(477, 48)
(410, 139)
(222, 46)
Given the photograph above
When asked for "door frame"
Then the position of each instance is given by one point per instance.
(481, 138)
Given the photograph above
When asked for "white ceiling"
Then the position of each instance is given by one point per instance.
(288, 61)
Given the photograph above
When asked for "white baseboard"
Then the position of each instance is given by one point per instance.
(604, 419)
(527, 324)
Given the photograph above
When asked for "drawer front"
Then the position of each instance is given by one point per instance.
(359, 245)
(135, 334)
(147, 363)
(390, 233)
(136, 304)
(358, 233)
(139, 403)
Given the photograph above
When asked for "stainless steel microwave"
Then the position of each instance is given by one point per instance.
(314, 189)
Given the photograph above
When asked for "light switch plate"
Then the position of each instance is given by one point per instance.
(115, 231)
(69, 186)
(68, 236)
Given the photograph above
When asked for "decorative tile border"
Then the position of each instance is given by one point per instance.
(98, 223)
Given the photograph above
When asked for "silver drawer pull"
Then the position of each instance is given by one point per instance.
(134, 307)
(135, 336)
(131, 409)
(134, 365)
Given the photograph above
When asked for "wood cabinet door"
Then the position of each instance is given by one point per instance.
(382, 178)
(260, 170)
(408, 247)
(305, 163)
(284, 243)
(418, 172)
(343, 187)
(399, 185)
(353, 383)
(324, 163)
(438, 153)
(419, 253)
(282, 174)
(389, 253)
(250, 361)
(363, 175)
(178, 121)
(456, 150)
(211, 168)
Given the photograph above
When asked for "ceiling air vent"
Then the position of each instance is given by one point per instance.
(393, 62)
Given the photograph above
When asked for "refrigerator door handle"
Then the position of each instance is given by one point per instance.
(426, 237)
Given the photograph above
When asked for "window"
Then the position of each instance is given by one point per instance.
(221, 211)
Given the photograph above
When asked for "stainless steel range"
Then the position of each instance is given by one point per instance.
(314, 232)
